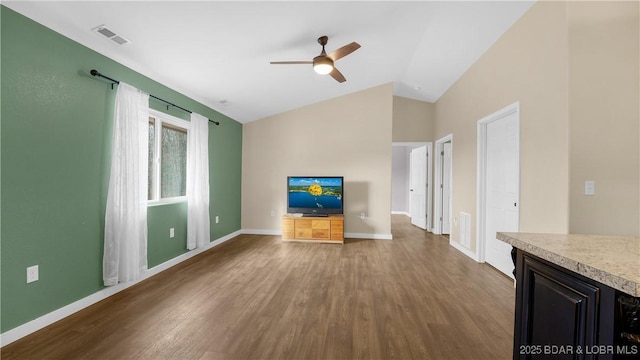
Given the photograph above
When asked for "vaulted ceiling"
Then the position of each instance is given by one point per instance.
(219, 52)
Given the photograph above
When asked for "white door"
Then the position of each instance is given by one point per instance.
(418, 187)
(446, 188)
(502, 174)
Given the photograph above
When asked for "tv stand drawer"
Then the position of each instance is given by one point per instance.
(320, 234)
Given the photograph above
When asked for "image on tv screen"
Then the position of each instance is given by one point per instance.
(320, 193)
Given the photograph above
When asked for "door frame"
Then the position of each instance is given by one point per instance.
(481, 182)
(437, 208)
(429, 146)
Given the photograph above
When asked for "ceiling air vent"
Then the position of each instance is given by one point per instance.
(103, 30)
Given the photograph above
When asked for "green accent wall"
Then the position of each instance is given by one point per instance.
(160, 219)
(56, 123)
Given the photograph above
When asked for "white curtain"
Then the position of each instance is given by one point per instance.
(125, 233)
(198, 183)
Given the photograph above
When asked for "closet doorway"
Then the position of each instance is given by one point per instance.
(412, 182)
(443, 180)
(498, 185)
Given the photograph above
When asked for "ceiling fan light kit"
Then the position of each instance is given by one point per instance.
(324, 64)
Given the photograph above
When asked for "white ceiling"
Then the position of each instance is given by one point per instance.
(220, 50)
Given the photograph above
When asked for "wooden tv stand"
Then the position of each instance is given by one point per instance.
(323, 229)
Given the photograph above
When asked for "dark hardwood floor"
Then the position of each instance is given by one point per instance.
(254, 297)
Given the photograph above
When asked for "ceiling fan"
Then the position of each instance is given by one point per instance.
(323, 63)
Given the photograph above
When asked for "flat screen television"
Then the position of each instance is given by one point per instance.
(315, 195)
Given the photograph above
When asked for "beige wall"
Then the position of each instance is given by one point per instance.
(348, 136)
(527, 64)
(604, 103)
(413, 120)
(574, 68)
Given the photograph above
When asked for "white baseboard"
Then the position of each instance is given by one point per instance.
(346, 235)
(32, 326)
(463, 250)
(45, 320)
(261, 232)
(400, 213)
(368, 236)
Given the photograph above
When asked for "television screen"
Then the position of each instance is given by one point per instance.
(319, 195)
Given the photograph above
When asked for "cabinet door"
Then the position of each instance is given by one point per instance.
(287, 228)
(320, 229)
(554, 308)
(303, 229)
(337, 229)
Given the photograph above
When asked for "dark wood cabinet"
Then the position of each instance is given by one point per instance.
(560, 314)
(577, 296)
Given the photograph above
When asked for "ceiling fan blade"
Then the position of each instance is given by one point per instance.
(336, 74)
(291, 62)
(344, 51)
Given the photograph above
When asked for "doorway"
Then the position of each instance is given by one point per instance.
(443, 185)
(412, 182)
(498, 185)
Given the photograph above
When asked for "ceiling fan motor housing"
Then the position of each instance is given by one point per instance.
(322, 59)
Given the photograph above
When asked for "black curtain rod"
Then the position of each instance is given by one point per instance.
(95, 72)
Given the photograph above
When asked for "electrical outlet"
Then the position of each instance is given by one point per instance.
(32, 274)
(363, 215)
(273, 213)
(172, 233)
(217, 219)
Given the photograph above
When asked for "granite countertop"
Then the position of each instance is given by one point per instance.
(610, 260)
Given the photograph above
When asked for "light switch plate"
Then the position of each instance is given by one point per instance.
(589, 187)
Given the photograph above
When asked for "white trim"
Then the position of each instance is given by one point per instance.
(261, 232)
(32, 326)
(480, 194)
(400, 213)
(167, 201)
(43, 321)
(170, 119)
(413, 144)
(429, 146)
(368, 236)
(429, 185)
(346, 235)
(437, 225)
(463, 249)
(159, 119)
(481, 172)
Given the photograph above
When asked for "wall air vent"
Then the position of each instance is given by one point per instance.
(104, 31)
(465, 229)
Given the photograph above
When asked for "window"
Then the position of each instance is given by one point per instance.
(168, 138)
